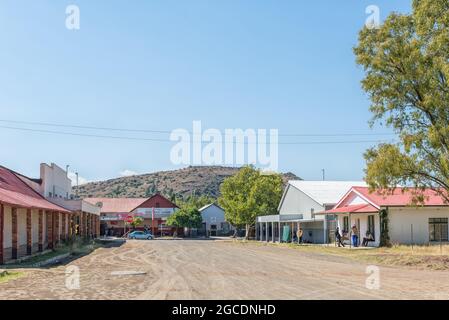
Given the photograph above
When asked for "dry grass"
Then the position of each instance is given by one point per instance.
(431, 257)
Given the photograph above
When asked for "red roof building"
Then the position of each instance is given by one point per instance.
(358, 214)
(115, 212)
(29, 223)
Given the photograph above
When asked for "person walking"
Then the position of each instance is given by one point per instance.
(338, 237)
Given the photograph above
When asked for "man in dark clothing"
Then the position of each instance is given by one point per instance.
(338, 238)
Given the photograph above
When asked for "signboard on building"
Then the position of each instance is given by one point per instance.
(158, 212)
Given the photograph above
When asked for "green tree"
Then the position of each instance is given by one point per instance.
(136, 221)
(406, 61)
(249, 194)
(185, 218)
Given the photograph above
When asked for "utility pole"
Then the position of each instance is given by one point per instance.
(324, 174)
(77, 184)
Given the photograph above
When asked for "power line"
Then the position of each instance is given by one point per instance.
(169, 131)
(165, 140)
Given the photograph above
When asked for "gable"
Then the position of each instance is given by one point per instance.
(296, 202)
(157, 201)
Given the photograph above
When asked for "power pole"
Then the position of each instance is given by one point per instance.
(324, 174)
(77, 184)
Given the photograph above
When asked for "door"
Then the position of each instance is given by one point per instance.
(213, 230)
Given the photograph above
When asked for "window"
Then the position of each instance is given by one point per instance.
(371, 226)
(438, 229)
(345, 224)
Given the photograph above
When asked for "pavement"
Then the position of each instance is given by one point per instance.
(219, 269)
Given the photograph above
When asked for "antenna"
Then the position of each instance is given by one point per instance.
(324, 174)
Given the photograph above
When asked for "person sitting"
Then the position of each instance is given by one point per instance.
(368, 237)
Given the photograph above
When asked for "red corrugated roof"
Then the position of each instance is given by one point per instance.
(357, 208)
(15, 192)
(117, 205)
(400, 197)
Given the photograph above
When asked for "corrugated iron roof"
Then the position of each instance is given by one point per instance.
(15, 192)
(356, 208)
(117, 205)
(401, 197)
(325, 192)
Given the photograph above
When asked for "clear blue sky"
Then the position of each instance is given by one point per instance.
(160, 65)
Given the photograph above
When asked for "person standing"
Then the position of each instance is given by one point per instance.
(299, 235)
(355, 236)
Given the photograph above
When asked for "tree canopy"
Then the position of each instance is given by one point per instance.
(186, 217)
(248, 194)
(406, 62)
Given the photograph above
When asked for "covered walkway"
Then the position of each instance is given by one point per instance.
(283, 228)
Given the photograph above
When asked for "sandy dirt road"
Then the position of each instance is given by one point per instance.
(196, 269)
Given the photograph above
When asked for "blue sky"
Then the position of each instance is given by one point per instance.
(160, 65)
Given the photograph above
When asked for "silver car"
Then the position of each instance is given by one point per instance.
(140, 235)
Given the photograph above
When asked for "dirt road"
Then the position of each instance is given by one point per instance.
(221, 270)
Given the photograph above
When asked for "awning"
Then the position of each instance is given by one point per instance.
(358, 208)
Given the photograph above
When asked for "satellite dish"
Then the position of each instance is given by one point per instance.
(99, 204)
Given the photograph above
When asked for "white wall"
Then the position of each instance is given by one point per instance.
(361, 221)
(22, 226)
(44, 226)
(7, 228)
(213, 215)
(297, 202)
(55, 181)
(401, 220)
(60, 226)
(35, 226)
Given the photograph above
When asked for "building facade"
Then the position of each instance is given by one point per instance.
(214, 222)
(298, 208)
(370, 212)
(116, 211)
(29, 223)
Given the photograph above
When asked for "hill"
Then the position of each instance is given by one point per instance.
(197, 180)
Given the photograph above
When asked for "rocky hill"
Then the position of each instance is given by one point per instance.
(197, 180)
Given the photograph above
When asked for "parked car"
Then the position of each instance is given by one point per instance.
(140, 235)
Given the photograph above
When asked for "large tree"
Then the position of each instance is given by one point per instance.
(187, 217)
(248, 194)
(406, 61)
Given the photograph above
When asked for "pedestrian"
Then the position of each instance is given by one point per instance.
(338, 237)
(299, 235)
(355, 236)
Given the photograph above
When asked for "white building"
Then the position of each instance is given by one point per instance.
(214, 222)
(406, 224)
(298, 207)
(55, 185)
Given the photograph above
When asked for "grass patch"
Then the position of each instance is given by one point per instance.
(6, 276)
(75, 249)
(431, 257)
